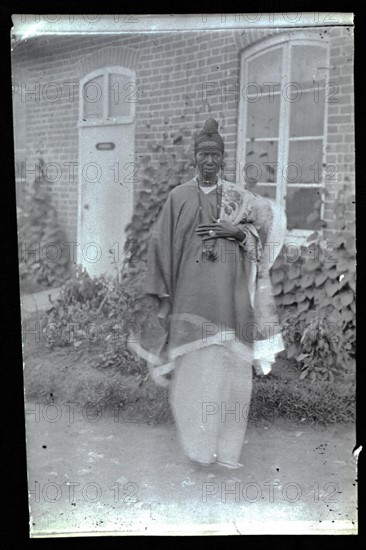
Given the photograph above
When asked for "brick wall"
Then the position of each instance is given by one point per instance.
(340, 147)
(172, 73)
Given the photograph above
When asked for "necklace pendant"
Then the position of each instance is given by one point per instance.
(210, 255)
(210, 251)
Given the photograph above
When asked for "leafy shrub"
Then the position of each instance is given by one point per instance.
(315, 295)
(97, 314)
(38, 227)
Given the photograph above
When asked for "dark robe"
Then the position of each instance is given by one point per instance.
(210, 301)
(226, 301)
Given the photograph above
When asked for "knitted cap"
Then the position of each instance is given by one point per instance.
(209, 136)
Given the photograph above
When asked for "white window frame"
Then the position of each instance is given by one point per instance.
(106, 120)
(304, 38)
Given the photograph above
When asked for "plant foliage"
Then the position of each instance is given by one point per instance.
(42, 258)
(315, 293)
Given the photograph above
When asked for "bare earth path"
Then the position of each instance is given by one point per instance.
(105, 473)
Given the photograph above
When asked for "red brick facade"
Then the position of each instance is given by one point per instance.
(173, 72)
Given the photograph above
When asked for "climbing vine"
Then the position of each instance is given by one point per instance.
(315, 293)
(42, 260)
(155, 185)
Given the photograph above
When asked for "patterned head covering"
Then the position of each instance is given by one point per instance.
(209, 136)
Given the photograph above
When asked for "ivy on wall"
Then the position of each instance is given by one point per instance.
(156, 182)
(42, 259)
(315, 291)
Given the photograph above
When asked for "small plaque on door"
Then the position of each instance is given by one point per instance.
(106, 146)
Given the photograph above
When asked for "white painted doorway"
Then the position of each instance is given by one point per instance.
(106, 167)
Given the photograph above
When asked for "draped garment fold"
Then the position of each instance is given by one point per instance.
(228, 300)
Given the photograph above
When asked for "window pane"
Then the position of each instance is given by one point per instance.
(307, 114)
(300, 204)
(308, 65)
(305, 162)
(93, 98)
(260, 162)
(263, 117)
(264, 190)
(265, 68)
(120, 95)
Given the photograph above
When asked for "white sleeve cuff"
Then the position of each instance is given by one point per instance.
(265, 351)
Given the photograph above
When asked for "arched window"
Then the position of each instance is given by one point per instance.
(108, 96)
(282, 124)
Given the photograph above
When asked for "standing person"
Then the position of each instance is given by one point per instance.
(208, 269)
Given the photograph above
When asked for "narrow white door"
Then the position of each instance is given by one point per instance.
(106, 167)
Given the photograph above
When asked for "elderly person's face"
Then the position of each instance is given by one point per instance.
(208, 160)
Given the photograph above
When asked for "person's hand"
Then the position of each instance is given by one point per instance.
(222, 230)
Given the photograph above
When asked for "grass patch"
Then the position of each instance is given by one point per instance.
(67, 374)
(320, 403)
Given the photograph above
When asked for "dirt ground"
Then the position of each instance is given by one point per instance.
(100, 472)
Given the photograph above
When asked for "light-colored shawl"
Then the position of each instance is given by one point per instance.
(264, 223)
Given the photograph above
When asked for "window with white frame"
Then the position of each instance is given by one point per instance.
(108, 96)
(282, 125)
